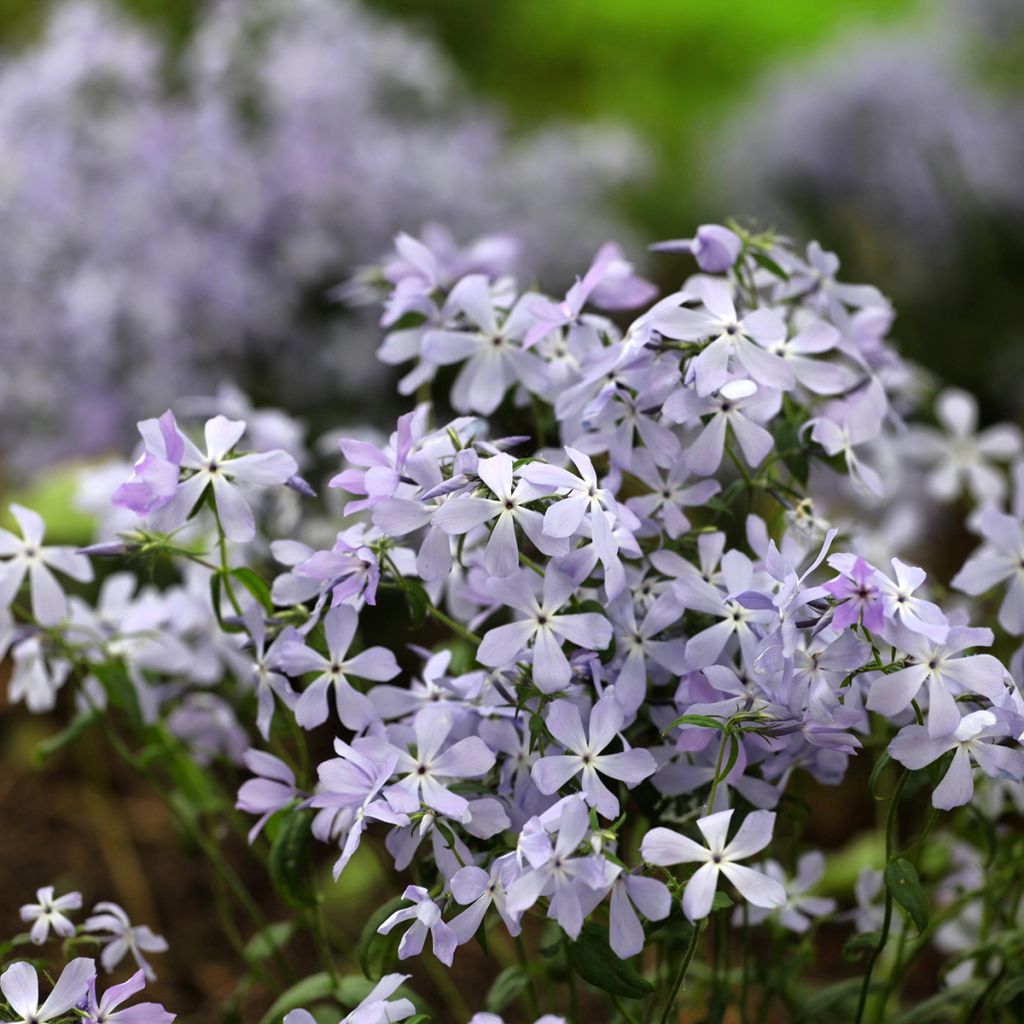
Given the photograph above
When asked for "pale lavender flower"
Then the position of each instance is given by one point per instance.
(663, 847)
(648, 895)
(975, 739)
(48, 912)
(726, 406)
(375, 1008)
(36, 678)
(579, 497)
(265, 662)
(20, 986)
(846, 423)
(800, 909)
(491, 348)
(104, 1010)
(937, 667)
(478, 890)
(217, 468)
(426, 918)
(154, 479)
(468, 758)
(734, 342)
(999, 559)
(355, 709)
(350, 792)
(959, 457)
(819, 376)
(544, 627)
(638, 644)
(27, 555)
(557, 872)
(112, 927)
(714, 247)
(584, 754)
(609, 283)
(272, 790)
(461, 514)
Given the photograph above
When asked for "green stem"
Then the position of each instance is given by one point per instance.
(883, 938)
(677, 982)
(530, 992)
(718, 773)
(323, 944)
(574, 996)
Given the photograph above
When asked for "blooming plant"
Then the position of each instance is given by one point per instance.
(596, 627)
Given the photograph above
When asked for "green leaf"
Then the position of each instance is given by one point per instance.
(289, 861)
(120, 690)
(721, 901)
(418, 601)
(256, 586)
(902, 881)
(377, 953)
(935, 1007)
(45, 749)
(592, 959)
(507, 986)
(301, 994)
(215, 597)
(764, 260)
(830, 997)
(704, 721)
(876, 773)
(274, 937)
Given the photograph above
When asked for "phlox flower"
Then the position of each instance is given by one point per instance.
(218, 469)
(663, 847)
(714, 247)
(376, 1008)
(424, 771)
(733, 342)
(355, 709)
(959, 457)
(800, 909)
(584, 754)
(632, 892)
(426, 918)
(27, 555)
(272, 790)
(104, 1010)
(48, 913)
(111, 925)
(974, 739)
(20, 986)
(543, 626)
(557, 872)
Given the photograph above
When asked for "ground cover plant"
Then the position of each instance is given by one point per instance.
(566, 653)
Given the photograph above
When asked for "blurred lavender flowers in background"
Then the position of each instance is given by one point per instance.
(180, 217)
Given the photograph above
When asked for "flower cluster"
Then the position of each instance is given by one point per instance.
(73, 995)
(634, 632)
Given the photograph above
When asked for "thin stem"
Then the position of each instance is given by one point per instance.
(883, 938)
(323, 944)
(530, 992)
(574, 996)
(677, 982)
(718, 774)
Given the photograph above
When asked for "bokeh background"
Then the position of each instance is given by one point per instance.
(183, 183)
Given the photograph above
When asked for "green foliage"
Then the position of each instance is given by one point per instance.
(290, 868)
(902, 881)
(595, 962)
